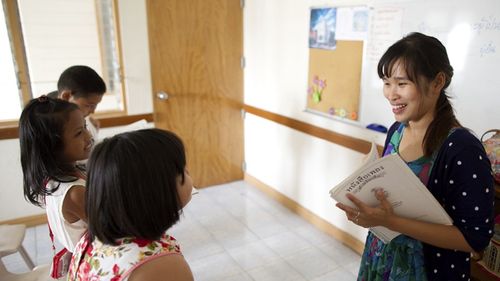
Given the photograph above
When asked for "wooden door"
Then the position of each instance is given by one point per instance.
(195, 50)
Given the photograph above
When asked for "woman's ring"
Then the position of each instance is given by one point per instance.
(356, 218)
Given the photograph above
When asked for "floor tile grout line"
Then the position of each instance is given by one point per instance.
(257, 201)
(287, 227)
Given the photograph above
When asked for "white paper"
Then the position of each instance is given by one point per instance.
(352, 23)
(109, 132)
(385, 29)
(409, 197)
(372, 155)
(194, 191)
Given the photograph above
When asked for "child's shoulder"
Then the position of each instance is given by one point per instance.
(60, 186)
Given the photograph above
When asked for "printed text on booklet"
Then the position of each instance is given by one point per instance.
(409, 197)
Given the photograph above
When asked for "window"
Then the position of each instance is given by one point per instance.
(61, 33)
(10, 107)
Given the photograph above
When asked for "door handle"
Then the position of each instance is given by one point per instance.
(162, 95)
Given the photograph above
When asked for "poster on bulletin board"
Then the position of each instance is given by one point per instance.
(336, 37)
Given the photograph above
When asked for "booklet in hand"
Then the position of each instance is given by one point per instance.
(409, 197)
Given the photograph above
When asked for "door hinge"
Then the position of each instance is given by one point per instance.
(242, 62)
(243, 114)
(244, 166)
(242, 4)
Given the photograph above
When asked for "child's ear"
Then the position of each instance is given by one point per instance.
(66, 95)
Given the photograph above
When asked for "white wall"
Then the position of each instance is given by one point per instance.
(138, 89)
(135, 51)
(12, 203)
(303, 167)
(277, 57)
(297, 165)
(300, 166)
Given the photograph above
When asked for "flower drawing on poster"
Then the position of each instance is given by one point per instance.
(322, 28)
(315, 90)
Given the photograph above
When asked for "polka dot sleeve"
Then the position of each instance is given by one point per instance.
(469, 193)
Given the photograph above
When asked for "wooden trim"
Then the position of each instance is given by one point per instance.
(124, 120)
(12, 132)
(28, 221)
(17, 43)
(119, 47)
(104, 56)
(315, 220)
(99, 26)
(343, 140)
(9, 132)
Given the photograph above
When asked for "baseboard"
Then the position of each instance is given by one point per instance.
(28, 221)
(342, 236)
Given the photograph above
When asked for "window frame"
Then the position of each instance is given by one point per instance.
(17, 45)
(18, 49)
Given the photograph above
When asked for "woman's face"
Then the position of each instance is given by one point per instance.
(185, 188)
(407, 101)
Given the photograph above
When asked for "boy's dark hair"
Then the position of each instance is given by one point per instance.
(53, 94)
(81, 80)
(424, 56)
(132, 185)
(41, 128)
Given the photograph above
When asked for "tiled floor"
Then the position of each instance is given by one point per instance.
(235, 232)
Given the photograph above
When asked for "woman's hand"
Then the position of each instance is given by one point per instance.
(366, 216)
(443, 236)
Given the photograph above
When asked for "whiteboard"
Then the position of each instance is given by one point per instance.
(470, 30)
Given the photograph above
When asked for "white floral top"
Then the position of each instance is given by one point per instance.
(97, 261)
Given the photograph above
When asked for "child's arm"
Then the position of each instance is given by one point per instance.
(73, 208)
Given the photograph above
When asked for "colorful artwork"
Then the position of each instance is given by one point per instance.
(334, 78)
(322, 28)
(343, 113)
(316, 89)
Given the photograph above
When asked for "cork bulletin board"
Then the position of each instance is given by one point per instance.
(342, 79)
(336, 76)
(336, 37)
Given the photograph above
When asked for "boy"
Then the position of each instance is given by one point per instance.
(81, 85)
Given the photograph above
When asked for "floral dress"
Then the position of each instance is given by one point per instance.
(97, 261)
(403, 258)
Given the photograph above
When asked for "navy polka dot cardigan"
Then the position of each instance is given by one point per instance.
(461, 180)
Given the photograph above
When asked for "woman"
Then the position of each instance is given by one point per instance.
(446, 157)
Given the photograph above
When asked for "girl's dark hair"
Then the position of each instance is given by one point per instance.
(41, 129)
(424, 57)
(132, 185)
